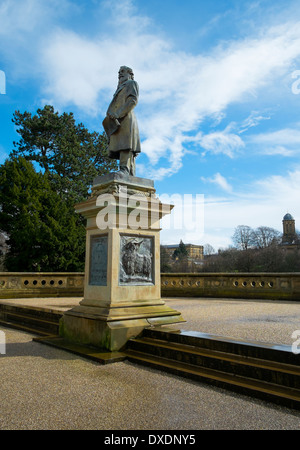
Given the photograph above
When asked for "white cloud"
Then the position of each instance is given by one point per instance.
(220, 142)
(178, 90)
(284, 142)
(19, 17)
(252, 121)
(25, 25)
(220, 181)
(264, 204)
(287, 136)
(27, 16)
(282, 189)
(279, 150)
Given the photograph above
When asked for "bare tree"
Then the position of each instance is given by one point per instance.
(209, 250)
(243, 237)
(265, 236)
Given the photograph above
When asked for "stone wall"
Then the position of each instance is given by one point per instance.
(270, 286)
(31, 285)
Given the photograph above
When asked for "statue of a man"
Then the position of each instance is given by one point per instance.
(120, 122)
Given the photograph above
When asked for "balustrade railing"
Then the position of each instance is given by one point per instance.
(272, 286)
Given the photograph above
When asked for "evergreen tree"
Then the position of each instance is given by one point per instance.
(181, 252)
(37, 208)
(43, 232)
(67, 152)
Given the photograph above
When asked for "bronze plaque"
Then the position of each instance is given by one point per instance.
(136, 260)
(98, 261)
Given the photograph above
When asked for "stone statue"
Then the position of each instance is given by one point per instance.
(120, 123)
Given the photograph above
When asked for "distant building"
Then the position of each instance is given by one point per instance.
(290, 239)
(194, 253)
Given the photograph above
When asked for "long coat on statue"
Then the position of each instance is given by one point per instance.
(126, 136)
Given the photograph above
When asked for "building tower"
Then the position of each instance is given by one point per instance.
(289, 229)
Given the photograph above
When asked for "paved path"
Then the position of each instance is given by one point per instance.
(46, 388)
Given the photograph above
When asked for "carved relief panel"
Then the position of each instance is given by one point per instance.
(136, 260)
(98, 261)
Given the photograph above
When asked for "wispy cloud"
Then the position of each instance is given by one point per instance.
(282, 189)
(178, 90)
(25, 27)
(285, 142)
(264, 203)
(220, 142)
(287, 136)
(219, 180)
(253, 120)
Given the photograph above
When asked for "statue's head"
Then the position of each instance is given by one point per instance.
(125, 73)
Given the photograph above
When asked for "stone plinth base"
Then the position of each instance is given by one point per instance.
(122, 266)
(110, 331)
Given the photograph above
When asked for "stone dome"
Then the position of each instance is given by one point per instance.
(288, 216)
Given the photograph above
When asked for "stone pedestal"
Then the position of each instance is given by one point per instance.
(122, 268)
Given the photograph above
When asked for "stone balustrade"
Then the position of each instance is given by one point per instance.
(270, 286)
(41, 284)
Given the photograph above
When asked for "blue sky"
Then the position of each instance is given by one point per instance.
(219, 95)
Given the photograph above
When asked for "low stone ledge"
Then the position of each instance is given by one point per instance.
(42, 284)
(268, 286)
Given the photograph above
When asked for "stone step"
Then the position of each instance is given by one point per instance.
(254, 349)
(18, 326)
(29, 319)
(282, 395)
(38, 312)
(266, 370)
(262, 370)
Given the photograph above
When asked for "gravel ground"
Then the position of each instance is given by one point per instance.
(46, 388)
(265, 321)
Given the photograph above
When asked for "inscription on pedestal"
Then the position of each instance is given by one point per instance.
(98, 261)
(136, 260)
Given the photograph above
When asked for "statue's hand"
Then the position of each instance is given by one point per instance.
(113, 116)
